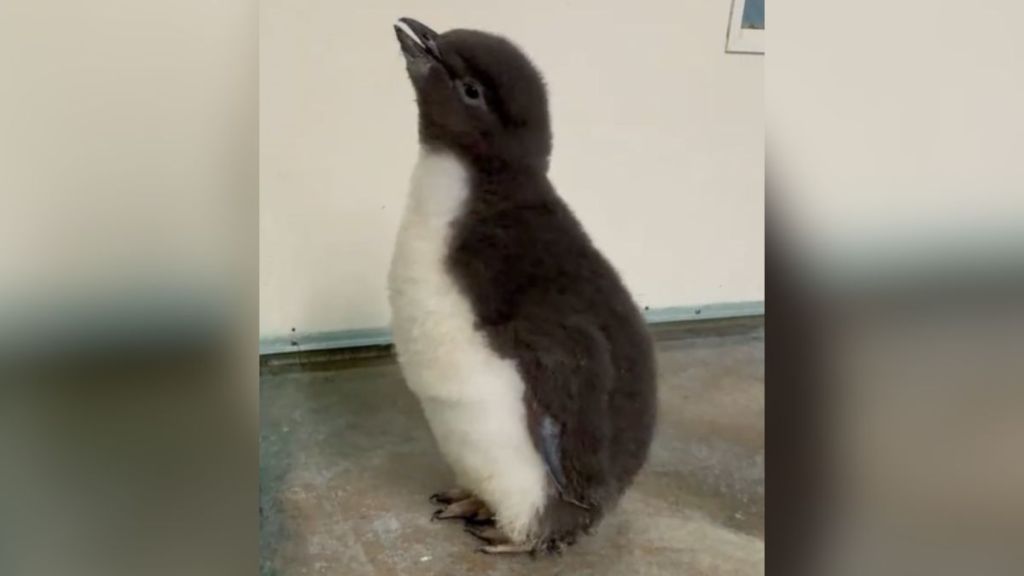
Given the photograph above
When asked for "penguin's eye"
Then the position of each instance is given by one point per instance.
(470, 92)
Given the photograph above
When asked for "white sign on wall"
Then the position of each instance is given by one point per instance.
(746, 27)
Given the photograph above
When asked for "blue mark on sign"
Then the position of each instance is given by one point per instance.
(753, 14)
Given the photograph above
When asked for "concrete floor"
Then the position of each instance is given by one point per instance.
(347, 464)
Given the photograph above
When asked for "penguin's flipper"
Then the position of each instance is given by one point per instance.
(551, 451)
(550, 439)
(567, 370)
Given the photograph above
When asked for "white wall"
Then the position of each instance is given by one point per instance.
(659, 147)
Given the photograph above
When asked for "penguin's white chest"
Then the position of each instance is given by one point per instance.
(473, 399)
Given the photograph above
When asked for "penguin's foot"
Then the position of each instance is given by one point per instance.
(484, 517)
(450, 496)
(471, 509)
(489, 534)
(497, 542)
(524, 548)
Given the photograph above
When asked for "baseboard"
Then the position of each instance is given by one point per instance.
(705, 312)
(310, 341)
(313, 341)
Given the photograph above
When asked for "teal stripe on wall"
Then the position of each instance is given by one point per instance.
(306, 342)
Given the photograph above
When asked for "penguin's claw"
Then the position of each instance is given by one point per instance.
(470, 509)
(449, 496)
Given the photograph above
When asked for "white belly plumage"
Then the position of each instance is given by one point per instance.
(472, 397)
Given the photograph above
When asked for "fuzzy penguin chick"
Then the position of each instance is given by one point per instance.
(529, 357)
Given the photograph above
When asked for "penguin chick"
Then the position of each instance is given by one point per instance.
(530, 359)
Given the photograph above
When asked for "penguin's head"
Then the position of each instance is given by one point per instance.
(478, 95)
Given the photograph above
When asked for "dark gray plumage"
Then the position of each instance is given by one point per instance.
(542, 293)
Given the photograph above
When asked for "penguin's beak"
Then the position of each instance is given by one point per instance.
(419, 47)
